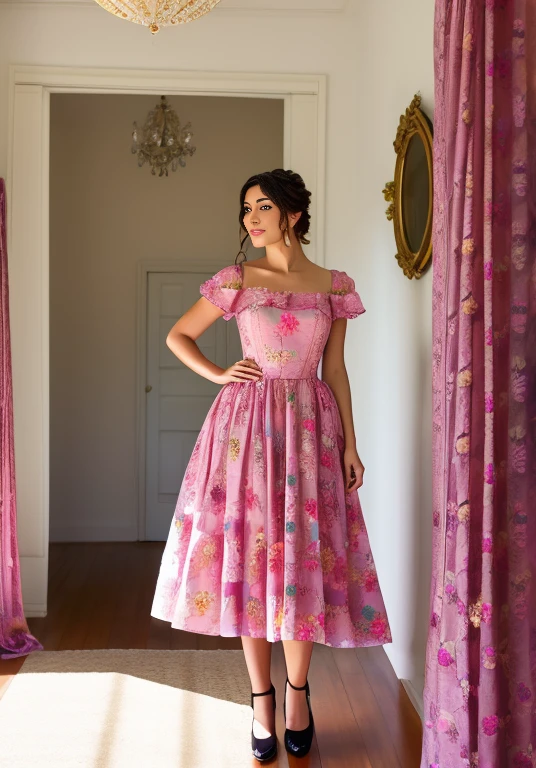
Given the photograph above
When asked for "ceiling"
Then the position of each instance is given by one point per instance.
(250, 5)
(286, 5)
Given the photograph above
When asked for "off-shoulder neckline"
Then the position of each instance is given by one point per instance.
(294, 293)
(281, 293)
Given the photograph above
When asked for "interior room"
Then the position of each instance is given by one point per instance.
(106, 215)
(106, 256)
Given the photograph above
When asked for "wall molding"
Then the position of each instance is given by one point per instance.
(415, 697)
(63, 532)
(156, 81)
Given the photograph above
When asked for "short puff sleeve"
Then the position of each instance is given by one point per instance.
(222, 289)
(345, 301)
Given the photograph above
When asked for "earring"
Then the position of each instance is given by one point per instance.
(241, 251)
(286, 238)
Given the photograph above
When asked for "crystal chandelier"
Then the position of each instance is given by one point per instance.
(158, 13)
(163, 142)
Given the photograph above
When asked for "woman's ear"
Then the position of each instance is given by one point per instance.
(293, 218)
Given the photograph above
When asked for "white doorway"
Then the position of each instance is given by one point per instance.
(28, 231)
(108, 217)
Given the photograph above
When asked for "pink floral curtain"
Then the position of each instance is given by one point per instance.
(15, 639)
(480, 685)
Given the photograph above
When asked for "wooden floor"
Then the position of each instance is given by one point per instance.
(100, 596)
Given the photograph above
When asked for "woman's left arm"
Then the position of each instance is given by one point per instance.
(336, 377)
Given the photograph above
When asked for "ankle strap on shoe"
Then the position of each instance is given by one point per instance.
(296, 688)
(264, 693)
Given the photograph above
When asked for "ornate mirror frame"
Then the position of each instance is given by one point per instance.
(414, 264)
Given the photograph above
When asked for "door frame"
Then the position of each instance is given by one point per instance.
(28, 243)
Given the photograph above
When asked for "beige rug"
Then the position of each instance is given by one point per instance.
(115, 708)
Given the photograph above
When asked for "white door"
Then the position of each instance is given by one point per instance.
(177, 399)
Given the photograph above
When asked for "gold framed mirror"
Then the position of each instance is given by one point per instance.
(411, 193)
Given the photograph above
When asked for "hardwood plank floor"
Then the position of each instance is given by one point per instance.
(100, 595)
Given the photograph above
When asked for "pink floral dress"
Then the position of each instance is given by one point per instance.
(265, 541)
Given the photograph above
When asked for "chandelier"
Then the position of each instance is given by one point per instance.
(163, 142)
(158, 13)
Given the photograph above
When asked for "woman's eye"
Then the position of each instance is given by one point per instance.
(248, 210)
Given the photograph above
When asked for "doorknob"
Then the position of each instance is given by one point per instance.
(148, 388)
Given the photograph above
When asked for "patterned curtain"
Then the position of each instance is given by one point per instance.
(15, 639)
(480, 685)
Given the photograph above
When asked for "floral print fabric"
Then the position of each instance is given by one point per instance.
(15, 637)
(480, 684)
(265, 541)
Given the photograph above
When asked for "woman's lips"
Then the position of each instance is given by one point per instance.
(255, 232)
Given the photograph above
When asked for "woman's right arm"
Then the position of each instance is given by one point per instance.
(181, 341)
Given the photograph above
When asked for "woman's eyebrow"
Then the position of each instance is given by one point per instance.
(258, 201)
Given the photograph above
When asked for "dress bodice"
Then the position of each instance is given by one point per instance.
(285, 332)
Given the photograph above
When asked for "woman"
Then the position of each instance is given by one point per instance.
(268, 539)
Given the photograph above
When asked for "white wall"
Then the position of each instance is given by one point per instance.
(392, 370)
(376, 54)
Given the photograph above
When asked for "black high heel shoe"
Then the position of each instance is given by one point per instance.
(263, 749)
(298, 743)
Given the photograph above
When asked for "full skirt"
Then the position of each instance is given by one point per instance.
(265, 540)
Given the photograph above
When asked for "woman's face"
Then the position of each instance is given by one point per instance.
(261, 218)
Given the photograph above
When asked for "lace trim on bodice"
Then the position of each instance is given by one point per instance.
(225, 290)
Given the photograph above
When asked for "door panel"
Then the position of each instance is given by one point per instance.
(179, 399)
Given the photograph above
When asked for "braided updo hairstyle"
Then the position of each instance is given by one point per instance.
(288, 191)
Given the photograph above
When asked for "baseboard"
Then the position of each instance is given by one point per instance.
(415, 697)
(34, 610)
(84, 533)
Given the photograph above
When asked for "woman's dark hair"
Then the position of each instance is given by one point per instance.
(287, 190)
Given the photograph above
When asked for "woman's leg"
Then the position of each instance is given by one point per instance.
(297, 658)
(258, 653)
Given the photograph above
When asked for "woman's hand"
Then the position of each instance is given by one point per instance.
(353, 469)
(243, 370)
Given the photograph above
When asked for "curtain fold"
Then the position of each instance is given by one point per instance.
(480, 676)
(15, 639)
